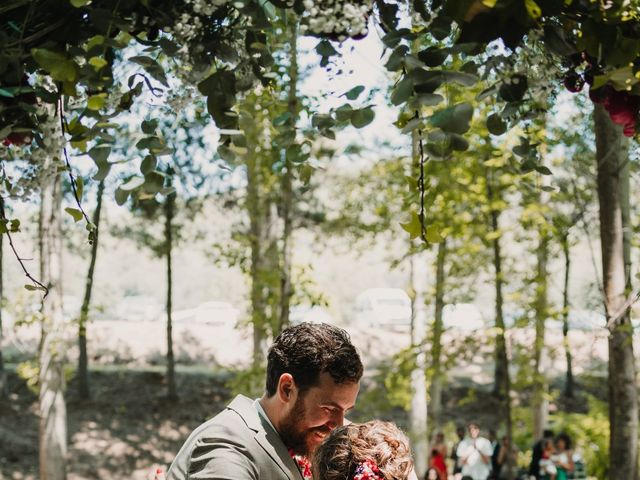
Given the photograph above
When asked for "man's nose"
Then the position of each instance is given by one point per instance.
(337, 419)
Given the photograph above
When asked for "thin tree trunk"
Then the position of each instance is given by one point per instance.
(53, 414)
(83, 362)
(611, 153)
(256, 208)
(436, 347)
(169, 210)
(502, 379)
(501, 372)
(287, 179)
(540, 401)
(3, 373)
(418, 416)
(568, 387)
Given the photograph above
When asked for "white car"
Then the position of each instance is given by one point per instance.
(462, 316)
(383, 307)
(139, 308)
(311, 314)
(213, 313)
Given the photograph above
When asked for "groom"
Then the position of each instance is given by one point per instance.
(313, 375)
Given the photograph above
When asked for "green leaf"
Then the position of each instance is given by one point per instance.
(148, 164)
(432, 234)
(362, 117)
(132, 184)
(75, 213)
(96, 102)
(58, 65)
(98, 63)
(103, 171)
(33, 288)
(100, 154)
(121, 196)
(543, 170)
(14, 225)
(149, 126)
(496, 125)
(354, 92)
(153, 182)
(152, 67)
(281, 119)
(454, 119)
(80, 3)
(79, 187)
(344, 112)
(413, 227)
(402, 92)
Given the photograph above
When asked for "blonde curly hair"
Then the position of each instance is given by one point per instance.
(338, 457)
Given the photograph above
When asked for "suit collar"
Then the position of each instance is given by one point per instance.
(266, 436)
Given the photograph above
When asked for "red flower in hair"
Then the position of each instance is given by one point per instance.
(367, 470)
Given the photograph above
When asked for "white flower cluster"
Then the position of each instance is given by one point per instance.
(188, 25)
(336, 17)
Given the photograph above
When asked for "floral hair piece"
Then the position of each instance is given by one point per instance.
(367, 470)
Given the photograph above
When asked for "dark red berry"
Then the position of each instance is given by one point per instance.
(573, 82)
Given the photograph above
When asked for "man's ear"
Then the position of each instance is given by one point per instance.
(287, 390)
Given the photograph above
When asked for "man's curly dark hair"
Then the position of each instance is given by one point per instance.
(307, 350)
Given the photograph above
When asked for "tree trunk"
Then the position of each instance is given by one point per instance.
(83, 361)
(611, 153)
(3, 373)
(502, 379)
(501, 372)
(568, 387)
(436, 348)
(53, 414)
(418, 414)
(257, 206)
(169, 212)
(287, 179)
(539, 400)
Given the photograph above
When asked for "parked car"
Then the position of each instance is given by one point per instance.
(139, 308)
(309, 313)
(462, 316)
(383, 307)
(214, 312)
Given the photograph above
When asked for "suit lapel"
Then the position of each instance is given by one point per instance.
(266, 437)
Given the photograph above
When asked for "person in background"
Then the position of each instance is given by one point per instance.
(457, 468)
(495, 446)
(508, 454)
(438, 455)
(432, 474)
(474, 453)
(534, 466)
(563, 457)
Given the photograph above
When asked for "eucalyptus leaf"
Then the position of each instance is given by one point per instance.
(362, 117)
(75, 213)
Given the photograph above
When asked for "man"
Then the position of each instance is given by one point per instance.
(536, 455)
(313, 375)
(474, 454)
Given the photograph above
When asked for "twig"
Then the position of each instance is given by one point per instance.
(152, 89)
(66, 158)
(15, 252)
(421, 187)
(621, 312)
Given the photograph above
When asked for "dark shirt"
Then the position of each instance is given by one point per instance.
(534, 467)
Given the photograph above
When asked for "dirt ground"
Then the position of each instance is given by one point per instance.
(121, 433)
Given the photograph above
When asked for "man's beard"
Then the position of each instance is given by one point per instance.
(297, 439)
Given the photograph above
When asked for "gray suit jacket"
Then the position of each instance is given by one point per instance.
(236, 444)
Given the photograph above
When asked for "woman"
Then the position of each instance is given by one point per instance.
(374, 450)
(563, 457)
(438, 456)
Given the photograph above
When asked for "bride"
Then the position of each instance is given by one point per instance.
(375, 450)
